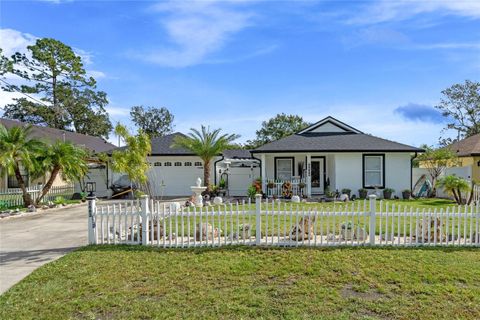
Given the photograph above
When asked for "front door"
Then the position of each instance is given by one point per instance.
(318, 169)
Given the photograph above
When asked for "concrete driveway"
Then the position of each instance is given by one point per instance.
(29, 242)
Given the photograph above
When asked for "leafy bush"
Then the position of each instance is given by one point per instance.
(251, 192)
(3, 205)
(137, 194)
(60, 201)
(222, 184)
(346, 191)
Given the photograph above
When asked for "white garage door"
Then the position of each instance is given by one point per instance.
(174, 180)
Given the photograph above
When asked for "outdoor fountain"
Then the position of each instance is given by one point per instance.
(197, 190)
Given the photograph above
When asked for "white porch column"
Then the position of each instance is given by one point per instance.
(308, 177)
(263, 173)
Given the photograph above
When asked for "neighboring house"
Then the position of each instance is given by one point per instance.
(174, 170)
(468, 152)
(50, 135)
(333, 155)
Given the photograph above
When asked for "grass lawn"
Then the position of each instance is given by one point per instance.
(338, 205)
(250, 283)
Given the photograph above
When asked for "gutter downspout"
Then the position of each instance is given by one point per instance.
(215, 169)
(259, 160)
(411, 171)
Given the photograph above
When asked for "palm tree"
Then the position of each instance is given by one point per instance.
(18, 150)
(62, 158)
(206, 144)
(455, 186)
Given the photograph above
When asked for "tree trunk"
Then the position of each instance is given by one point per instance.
(470, 198)
(48, 185)
(27, 199)
(457, 199)
(206, 174)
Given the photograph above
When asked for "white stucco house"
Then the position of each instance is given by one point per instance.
(331, 154)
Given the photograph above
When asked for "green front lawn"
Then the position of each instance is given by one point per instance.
(357, 204)
(247, 283)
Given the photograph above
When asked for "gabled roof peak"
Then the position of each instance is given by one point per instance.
(329, 125)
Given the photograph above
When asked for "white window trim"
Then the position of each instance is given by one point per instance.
(291, 167)
(381, 170)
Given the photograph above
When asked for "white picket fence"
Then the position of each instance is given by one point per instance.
(13, 196)
(273, 224)
(476, 193)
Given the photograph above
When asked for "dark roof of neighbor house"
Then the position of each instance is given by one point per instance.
(237, 154)
(346, 141)
(467, 147)
(92, 143)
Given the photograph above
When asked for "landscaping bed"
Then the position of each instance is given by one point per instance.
(243, 283)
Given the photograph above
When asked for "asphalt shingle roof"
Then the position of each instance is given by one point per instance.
(94, 144)
(163, 146)
(237, 154)
(467, 147)
(335, 142)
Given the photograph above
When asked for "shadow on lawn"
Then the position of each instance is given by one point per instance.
(242, 248)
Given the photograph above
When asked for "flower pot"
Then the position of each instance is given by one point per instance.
(406, 195)
(362, 194)
(387, 195)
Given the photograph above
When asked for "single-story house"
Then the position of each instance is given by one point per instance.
(174, 170)
(468, 152)
(50, 135)
(332, 155)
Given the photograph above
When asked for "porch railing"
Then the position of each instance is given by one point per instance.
(279, 188)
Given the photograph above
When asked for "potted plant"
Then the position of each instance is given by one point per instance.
(387, 193)
(406, 194)
(362, 193)
(251, 192)
(347, 192)
(270, 185)
(301, 185)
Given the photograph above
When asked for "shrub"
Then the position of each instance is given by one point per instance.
(60, 201)
(137, 194)
(251, 192)
(346, 191)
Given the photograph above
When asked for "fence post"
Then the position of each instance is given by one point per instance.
(144, 213)
(92, 229)
(373, 218)
(258, 224)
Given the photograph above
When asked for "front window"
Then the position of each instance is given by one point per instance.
(373, 171)
(284, 169)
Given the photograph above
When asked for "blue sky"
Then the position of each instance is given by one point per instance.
(378, 65)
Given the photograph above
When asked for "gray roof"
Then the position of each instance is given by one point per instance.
(237, 154)
(163, 146)
(92, 143)
(334, 142)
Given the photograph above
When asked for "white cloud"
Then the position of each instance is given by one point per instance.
(96, 74)
(12, 41)
(196, 30)
(117, 111)
(398, 10)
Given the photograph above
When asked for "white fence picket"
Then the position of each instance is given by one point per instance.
(276, 225)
